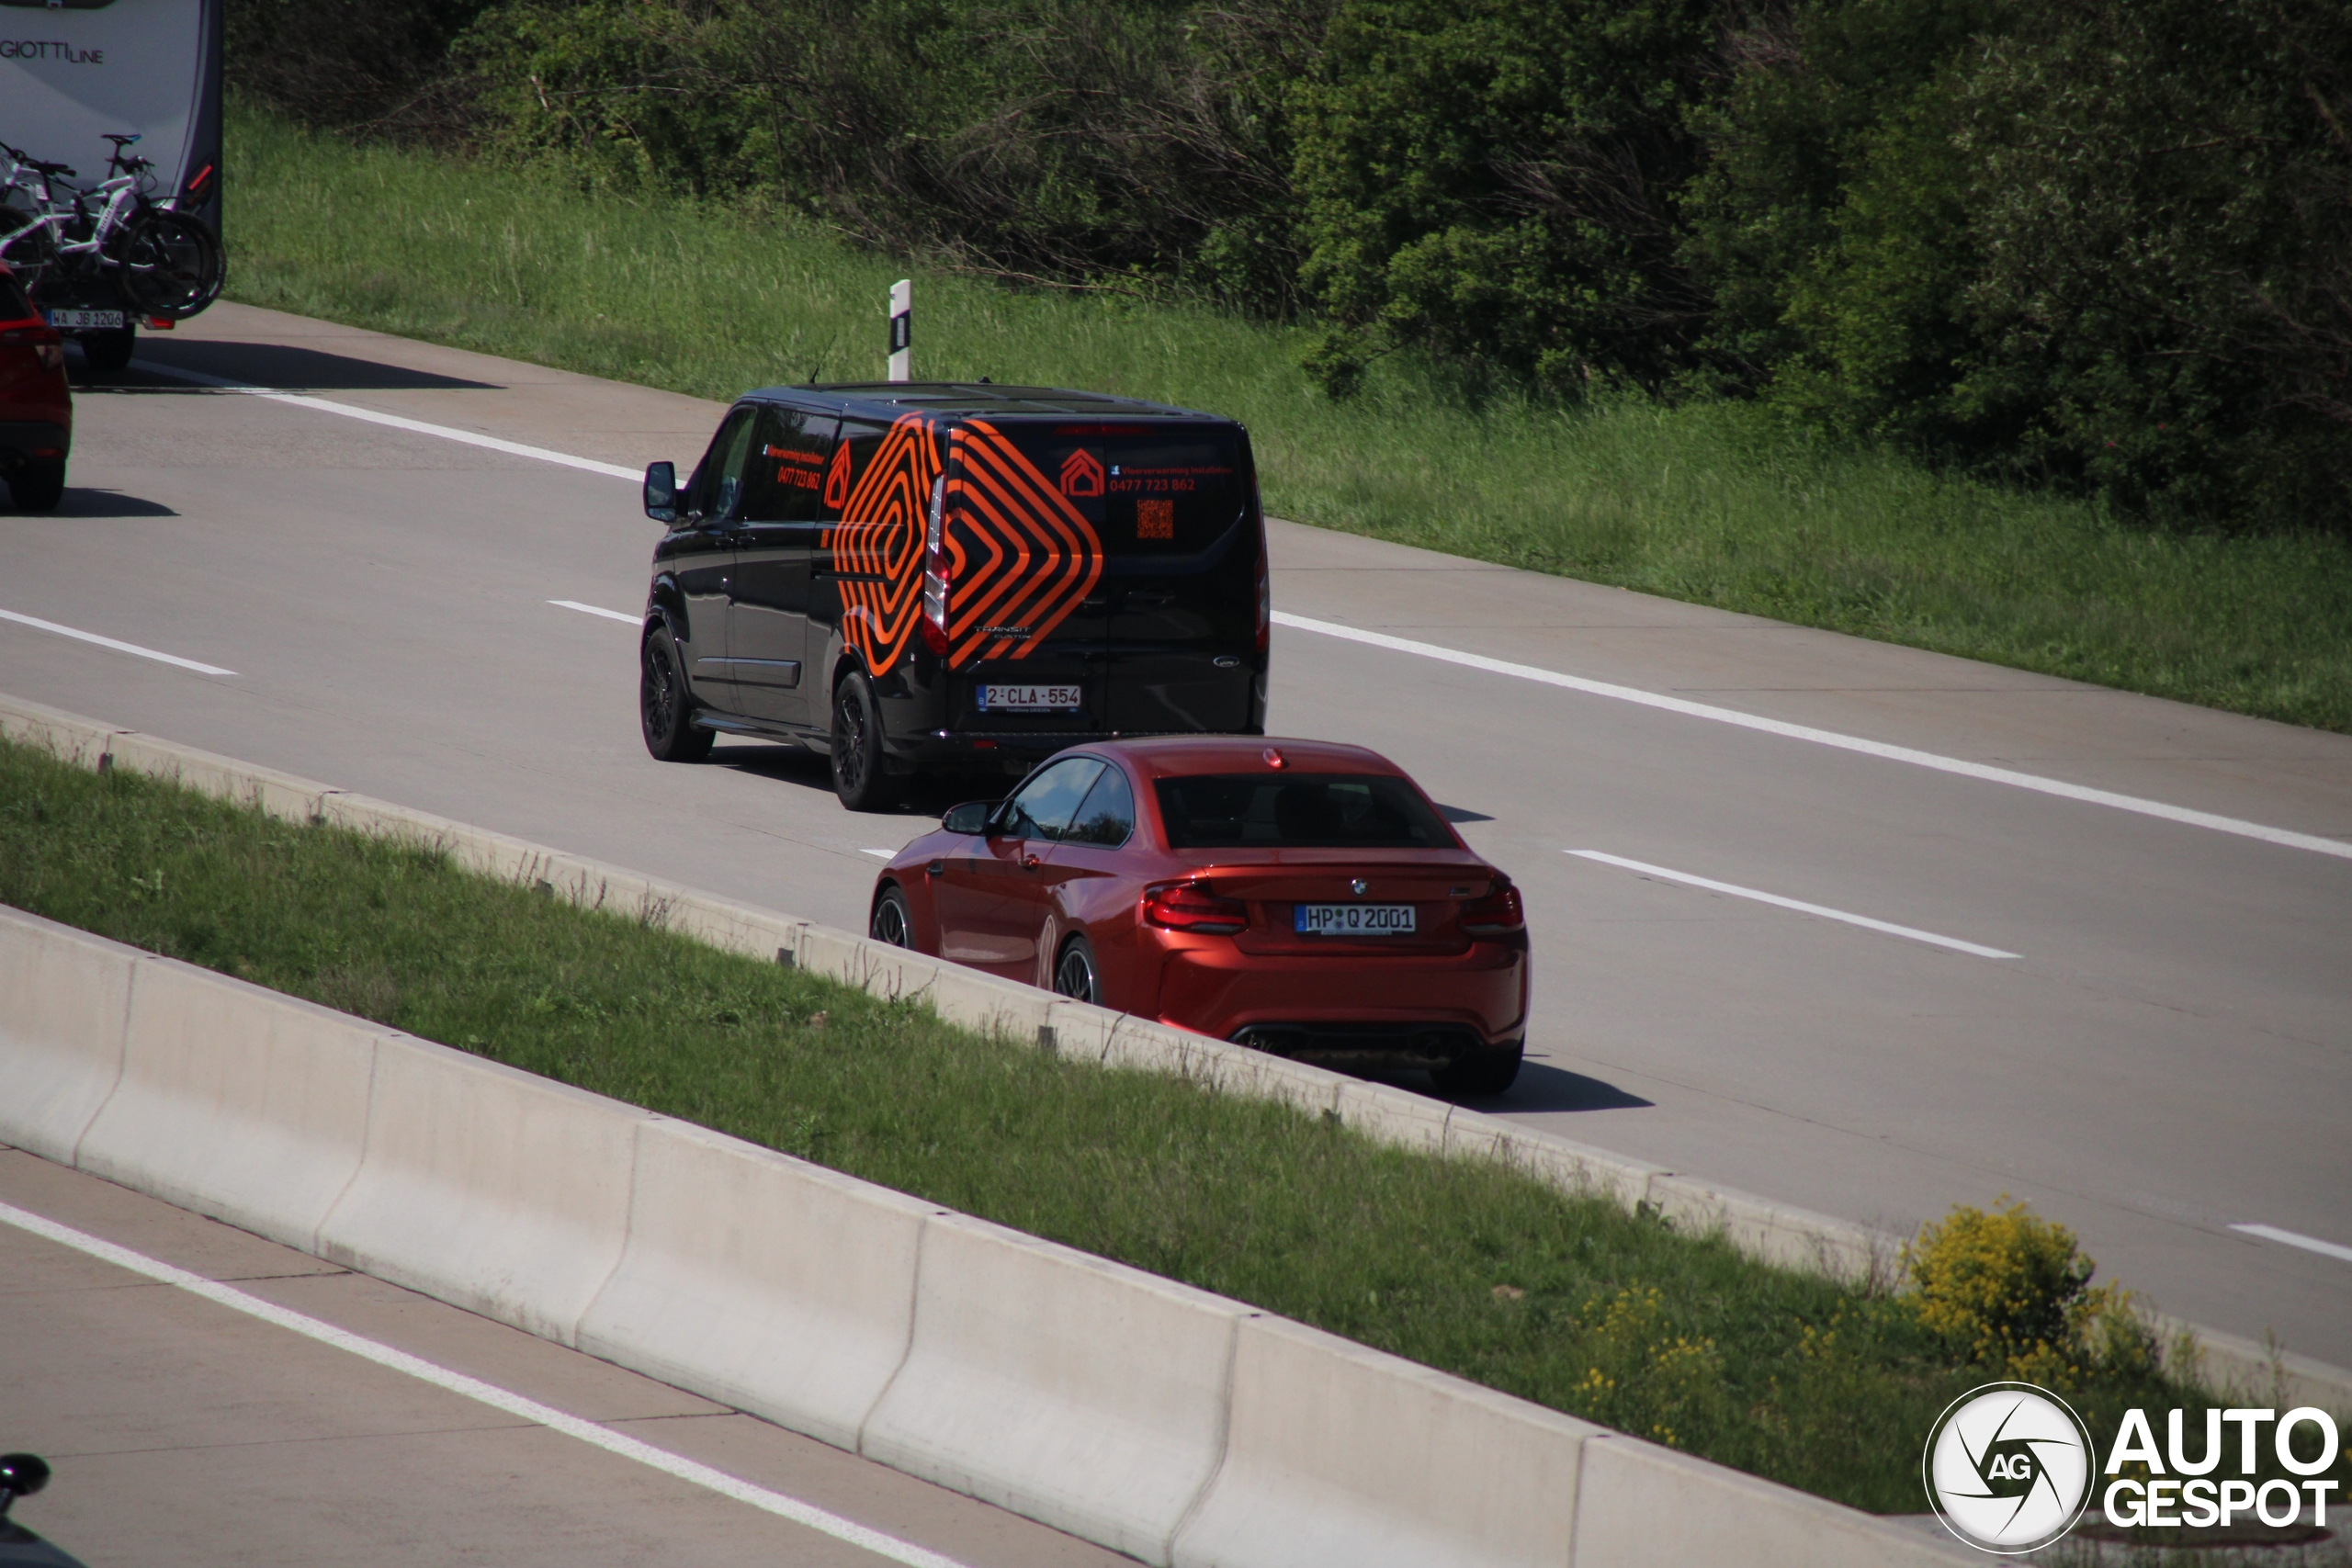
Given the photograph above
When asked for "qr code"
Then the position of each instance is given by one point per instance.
(1155, 519)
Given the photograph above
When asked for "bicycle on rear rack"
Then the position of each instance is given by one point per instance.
(162, 263)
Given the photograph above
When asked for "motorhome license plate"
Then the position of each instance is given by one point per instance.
(86, 320)
(1354, 920)
(1032, 699)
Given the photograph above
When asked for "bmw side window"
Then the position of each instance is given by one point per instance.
(1043, 808)
(1109, 814)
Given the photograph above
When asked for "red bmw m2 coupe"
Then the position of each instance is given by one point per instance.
(1296, 896)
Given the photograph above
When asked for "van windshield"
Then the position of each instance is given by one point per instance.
(1298, 811)
(1147, 490)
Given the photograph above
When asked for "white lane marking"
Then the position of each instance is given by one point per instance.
(1826, 913)
(39, 624)
(593, 610)
(1990, 774)
(397, 422)
(2309, 1244)
(886, 854)
(497, 1398)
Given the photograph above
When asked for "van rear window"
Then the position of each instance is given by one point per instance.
(1147, 490)
(1298, 811)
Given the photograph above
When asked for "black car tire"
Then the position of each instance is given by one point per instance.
(893, 922)
(36, 486)
(1074, 972)
(1488, 1072)
(665, 703)
(860, 777)
(108, 353)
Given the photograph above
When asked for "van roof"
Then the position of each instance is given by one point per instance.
(888, 400)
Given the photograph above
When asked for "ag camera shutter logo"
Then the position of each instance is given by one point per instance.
(2009, 1467)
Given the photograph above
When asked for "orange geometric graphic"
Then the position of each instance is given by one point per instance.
(880, 540)
(837, 480)
(1019, 554)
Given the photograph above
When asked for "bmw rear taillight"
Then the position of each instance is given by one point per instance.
(1498, 911)
(935, 571)
(1187, 906)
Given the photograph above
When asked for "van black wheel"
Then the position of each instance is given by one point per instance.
(665, 704)
(1074, 973)
(1488, 1072)
(860, 778)
(892, 922)
(108, 353)
(36, 486)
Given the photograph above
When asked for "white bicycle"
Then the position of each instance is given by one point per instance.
(162, 262)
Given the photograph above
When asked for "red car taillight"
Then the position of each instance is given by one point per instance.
(1183, 907)
(935, 571)
(1498, 911)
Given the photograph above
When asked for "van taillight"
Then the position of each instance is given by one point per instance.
(1265, 595)
(935, 571)
(1183, 907)
(1494, 914)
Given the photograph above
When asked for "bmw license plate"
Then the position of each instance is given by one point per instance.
(86, 320)
(1032, 699)
(1352, 919)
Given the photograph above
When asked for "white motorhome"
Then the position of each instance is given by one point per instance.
(71, 71)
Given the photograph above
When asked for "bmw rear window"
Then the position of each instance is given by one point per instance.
(1372, 811)
(1148, 489)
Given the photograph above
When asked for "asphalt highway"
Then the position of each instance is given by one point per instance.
(2160, 1050)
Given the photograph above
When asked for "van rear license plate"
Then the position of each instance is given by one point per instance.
(86, 320)
(1354, 920)
(1032, 699)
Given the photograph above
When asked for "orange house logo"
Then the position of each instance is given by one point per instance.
(1081, 474)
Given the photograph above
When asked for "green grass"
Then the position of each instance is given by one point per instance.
(1468, 1266)
(1715, 503)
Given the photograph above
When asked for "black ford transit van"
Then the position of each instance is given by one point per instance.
(936, 578)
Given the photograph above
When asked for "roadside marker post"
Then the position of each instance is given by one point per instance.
(901, 329)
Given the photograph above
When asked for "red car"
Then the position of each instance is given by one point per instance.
(1296, 896)
(35, 410)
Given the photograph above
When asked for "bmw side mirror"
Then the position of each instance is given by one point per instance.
(969, 819)
(661, 491)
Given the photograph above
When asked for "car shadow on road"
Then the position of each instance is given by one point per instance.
(810, 771)
(274, 366)
(1544, 1087)
(78, 504)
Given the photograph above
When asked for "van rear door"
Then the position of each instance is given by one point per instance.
(1170, 620)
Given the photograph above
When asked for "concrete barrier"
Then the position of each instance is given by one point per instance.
(64, 1003)
(1081, 1394)
(501, 1192)
(236, 1102)
(68, 736)
(1640, 1506)
(280, 794)
(759, 1281)
(1340, 1454)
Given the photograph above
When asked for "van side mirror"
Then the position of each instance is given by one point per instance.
(21, 1475)
(969, 819)
(661, 491)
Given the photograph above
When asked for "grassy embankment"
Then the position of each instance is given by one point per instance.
(1567, 1301)
(1713, 503)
